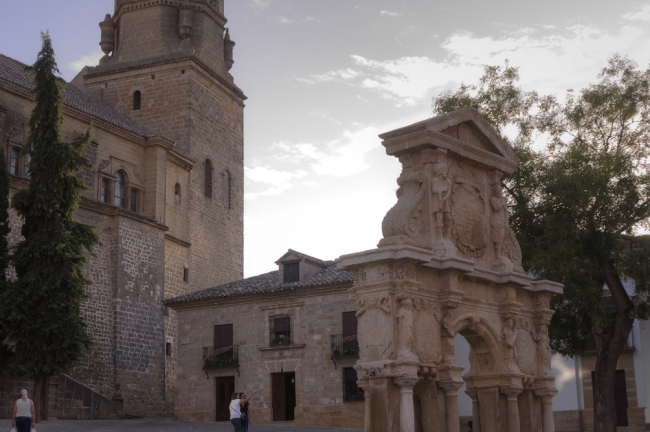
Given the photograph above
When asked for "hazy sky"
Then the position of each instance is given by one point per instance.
(325, 77)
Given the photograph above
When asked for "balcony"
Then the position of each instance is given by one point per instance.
(224, 357)
(344, 347)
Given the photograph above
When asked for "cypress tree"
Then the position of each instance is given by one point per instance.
(43, 320)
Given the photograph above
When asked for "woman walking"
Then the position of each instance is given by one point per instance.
(23, 417)
(235, 409)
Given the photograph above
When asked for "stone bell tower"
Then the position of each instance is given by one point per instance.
(450, 264)
(167, 67)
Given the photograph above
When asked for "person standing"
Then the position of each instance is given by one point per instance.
(235, 410)
(245, 416)
(23, 417)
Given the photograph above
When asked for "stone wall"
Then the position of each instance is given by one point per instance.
(315, 316)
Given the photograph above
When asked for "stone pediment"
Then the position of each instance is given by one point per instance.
(464, 132)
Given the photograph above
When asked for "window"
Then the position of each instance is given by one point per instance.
(228, 191)
(222, 336)
(118, 196)
(186, 274)
(350, 345)
(134, 200)
(27, 160)
(177, 194)
(351, 392)
(168, 349)
(14, 160)
(208, 178)
(137, 98)
(291, 271)
(103, 193)
(280, 330)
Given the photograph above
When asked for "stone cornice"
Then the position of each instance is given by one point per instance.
(142, 4)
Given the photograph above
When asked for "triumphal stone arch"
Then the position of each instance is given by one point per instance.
(449, 264)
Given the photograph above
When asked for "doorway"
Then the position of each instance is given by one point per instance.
(283, 396)
(225, 387)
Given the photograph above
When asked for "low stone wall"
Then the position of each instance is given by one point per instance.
(66, 399)
(583, 421)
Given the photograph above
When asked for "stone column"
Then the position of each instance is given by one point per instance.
(548, 424)
(451, 405)
(427, 392)
(406, 410)
(513, 408)
(367, 417)
(476, 414)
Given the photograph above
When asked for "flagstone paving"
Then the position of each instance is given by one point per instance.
(157, 425)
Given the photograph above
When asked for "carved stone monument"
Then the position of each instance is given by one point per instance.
(449, 263)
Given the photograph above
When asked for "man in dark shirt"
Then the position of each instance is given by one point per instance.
(244, 414)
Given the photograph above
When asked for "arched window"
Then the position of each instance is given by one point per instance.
(208, 178)
(177, 194)
(119, 188)
(228, 190)
(137, 98)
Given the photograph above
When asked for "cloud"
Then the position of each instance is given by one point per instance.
(279, 181)
(284, 20)
(91, 59)
(260, 4)
(550, 60)
(389, 13)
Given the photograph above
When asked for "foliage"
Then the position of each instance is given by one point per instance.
(577, 203)
(221, 361)
(41, 310)
(5, 351)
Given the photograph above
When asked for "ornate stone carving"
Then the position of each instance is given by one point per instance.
(427, 334)
(405, 323)
(543, 351)
(440, 191)
(509, 342)
(468, 224)
(104, 164)
(381, 303)
(406, 218)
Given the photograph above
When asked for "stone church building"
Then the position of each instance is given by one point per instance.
(165, 192)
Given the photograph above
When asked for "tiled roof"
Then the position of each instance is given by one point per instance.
(13, 72)
(304, 257)
(267, 283)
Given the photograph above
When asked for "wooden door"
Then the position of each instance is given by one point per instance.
(225, 387)
(278, 397)
(289, 395)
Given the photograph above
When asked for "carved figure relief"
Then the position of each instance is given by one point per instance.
(543, 351)
(448, 350)
(498, 220)
(468, 224)
(405, 322)
(381, 303)
(406, 218)
(509, 343)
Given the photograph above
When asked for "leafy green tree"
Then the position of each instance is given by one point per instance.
(5, 351)
(577, 202)
(41, 309)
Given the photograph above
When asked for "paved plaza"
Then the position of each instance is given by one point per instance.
(157, 425)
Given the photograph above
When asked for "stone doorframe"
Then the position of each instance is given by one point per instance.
(450, 264)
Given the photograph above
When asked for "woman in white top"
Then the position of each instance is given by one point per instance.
(235, 409)
(23, 417)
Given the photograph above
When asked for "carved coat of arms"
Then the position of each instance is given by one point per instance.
(468, 221)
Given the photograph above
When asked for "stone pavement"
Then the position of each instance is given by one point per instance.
(157, 425)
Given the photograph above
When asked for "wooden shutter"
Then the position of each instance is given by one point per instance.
(222, 336)
(278, 397)
(349, 323)
(281, 324)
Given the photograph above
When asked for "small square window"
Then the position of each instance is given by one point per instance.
(168, 349)
(186, 274)
(291, 272)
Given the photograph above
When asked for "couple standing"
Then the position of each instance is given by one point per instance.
(239, 411)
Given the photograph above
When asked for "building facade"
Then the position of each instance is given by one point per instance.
(289, 334)
(166, 189)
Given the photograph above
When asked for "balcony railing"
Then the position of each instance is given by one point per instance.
(221, 357)
(347, 346)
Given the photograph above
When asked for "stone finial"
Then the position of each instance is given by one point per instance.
(107, 42)
(228, 47)
(186, 25)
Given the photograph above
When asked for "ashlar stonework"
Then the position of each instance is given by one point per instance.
(449, 264)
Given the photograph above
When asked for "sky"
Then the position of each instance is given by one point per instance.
(325, 77)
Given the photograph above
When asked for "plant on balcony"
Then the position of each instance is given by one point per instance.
(219, 361)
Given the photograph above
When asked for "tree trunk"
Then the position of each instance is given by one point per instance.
(37, 397)
(609, 344)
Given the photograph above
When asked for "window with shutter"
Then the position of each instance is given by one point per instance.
(291, 272)
(280, 330)
(222, 336)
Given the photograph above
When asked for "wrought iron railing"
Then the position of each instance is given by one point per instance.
(347, 346)
(221, 357)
